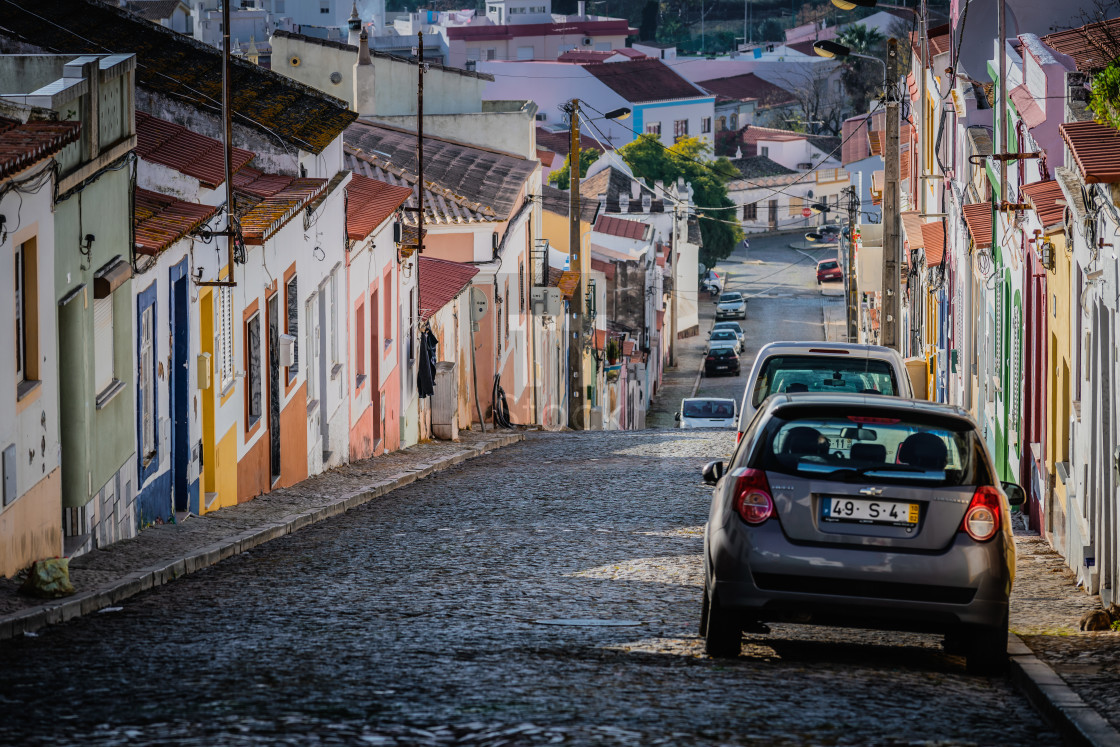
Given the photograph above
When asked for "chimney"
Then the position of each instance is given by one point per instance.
(624, 203)
(355, 27)
(363, 78)
(88, 68)
(646, 201)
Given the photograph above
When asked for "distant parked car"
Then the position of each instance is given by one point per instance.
(853, 510)
(721, 361)
(731, 306)
(829, 269)
(706, 412)
(734, 327)
(724, 338)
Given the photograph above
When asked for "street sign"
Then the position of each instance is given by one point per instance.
(806, 212)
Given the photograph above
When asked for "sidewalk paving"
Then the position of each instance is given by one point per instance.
(163, 553)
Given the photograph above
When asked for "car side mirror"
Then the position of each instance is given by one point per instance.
(1015, 494)
(712, 472)
(676, 416)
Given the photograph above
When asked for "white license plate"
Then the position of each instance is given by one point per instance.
(863, 511)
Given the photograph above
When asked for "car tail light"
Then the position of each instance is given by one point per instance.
(738, 436)
(752, 495)
(981, 520)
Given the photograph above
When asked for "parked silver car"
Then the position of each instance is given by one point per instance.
(864, 511)
(731, 305)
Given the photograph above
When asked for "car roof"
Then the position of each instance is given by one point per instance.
(791, 346)
(707, 399)
(863, 403)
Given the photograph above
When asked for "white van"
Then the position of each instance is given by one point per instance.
(822, 367)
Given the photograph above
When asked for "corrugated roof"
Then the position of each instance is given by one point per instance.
(1095, 148)
(463, 181)
(1093, 47)
(912, 229)
(933, 239)
(440, 282)
(23, 144)
(626, 229)
(369, 203)
(179, 67)
(160, 220)
(174, 146)
(641, 81)
(978, 218)
(1044, 196)
(260, 219)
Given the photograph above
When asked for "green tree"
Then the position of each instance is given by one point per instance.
(647, 30)
(861, 78)
(690, 158)
(562, 177)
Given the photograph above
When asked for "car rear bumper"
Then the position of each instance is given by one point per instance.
(763, 575)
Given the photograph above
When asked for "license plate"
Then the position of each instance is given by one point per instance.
(863, 511)
(721, 368)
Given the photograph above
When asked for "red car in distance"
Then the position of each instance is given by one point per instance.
(829, 269)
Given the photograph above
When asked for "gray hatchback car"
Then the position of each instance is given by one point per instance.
(862, 511)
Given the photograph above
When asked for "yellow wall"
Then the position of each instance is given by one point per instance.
(1059, 365)
(31, 527)
(556, 229)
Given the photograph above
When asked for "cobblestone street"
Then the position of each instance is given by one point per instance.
(551, 588)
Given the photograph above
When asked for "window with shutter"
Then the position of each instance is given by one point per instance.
(253, 399)
(225, 336)
(103, 343)
(292, 298)
(333, 330)
(148, 444)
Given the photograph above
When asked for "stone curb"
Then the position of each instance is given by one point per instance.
(1076, 721)
(87, 602)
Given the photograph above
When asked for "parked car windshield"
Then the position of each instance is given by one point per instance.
(730, 297)
(823, 373)
(724, 334)
(858, 448)
(709, 408)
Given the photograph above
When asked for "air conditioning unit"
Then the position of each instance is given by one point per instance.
(542, 117)
(588, 41)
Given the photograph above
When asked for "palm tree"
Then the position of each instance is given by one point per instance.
(860, 77)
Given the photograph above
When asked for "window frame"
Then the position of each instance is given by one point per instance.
(21, 313)
(104, 350)
(146, 383)
(291, 324)
(254, 383)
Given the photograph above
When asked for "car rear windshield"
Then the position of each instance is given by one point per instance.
(858, 448)
(829, 265)
(706, 408)
(729, 297)
(823, 373)
(722, 353)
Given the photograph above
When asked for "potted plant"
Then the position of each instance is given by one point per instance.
(613, 351)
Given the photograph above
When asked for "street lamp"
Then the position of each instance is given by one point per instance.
(833, 50)
(853, 4)
(813, 236)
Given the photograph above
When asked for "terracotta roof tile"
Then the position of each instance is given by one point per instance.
(25, 144)
(856, 146)
(258, 183)
(641, 81)
(559, 142)
(174, 146)
(912, 229)
(978, 218)
(749, 86)
(440, 282)
(1029, 110)
(622, 228)
(607, 268)
(558, 202)
(1044, 196)
(612, 27)
(160, 220)
(933, 239)
(369, 203)
(1092, 47)
(179, 67)
(1095, 148)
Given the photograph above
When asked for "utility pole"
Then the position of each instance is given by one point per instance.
(889, 310)
(675, 289)
(849, 270)
(926, 127)
(579, 410)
